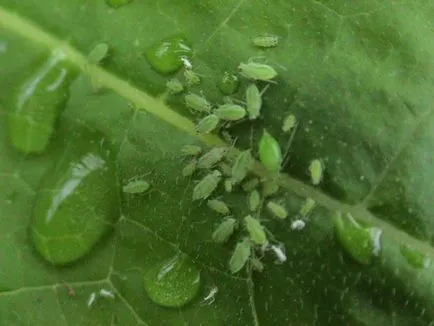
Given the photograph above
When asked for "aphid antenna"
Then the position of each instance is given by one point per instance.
(264, 89)
(288, 147)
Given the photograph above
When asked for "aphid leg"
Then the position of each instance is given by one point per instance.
(288, 146)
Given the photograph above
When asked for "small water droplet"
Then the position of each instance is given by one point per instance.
(173, 283)
(228, 83)
(165, 56)
(414, 257)
(117, 3)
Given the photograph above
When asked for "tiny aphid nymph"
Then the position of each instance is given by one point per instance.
(224, 231)
(256, 230)
(270, 153)
(106, 294)
(218, 206)
(242, 164)
(197, 103)
(266, 41)
(240, 256)
(209, 159)
(307, 207)
(136, 187)
(288, 123)
(230, 112)
(229, 184)
(253, 101)
(193, 150)
(316, 171)
(207, 185)
(254, 200)
(207, 124)
(189, 169)
(270, 188)
(98, 53)
(226, 169)
(192, 78)
(257, 71)
(250, 185)
(174, 86)
(277, 210)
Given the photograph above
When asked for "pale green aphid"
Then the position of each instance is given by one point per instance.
(250, 185)
(253, 101)
(242, 164)
(224, 231)
(269, 188)
(266, 41)
(189, 169)
(255, 230)
(257, 265)
(277, 210)
(98, 53)
(136, 187)
(254, 200)
(226, 169)
(192, 78)
(316, 170)
(197, 103)
(218, 206)
(307, 207)
(207, 185)
(230, 112)
(414, 257)
(240, 256)
(193, 150)
(207, 124)
(175, 86)
(270, 153)
(257, 71)
(288, 123)
(229, 184)
(209, 159)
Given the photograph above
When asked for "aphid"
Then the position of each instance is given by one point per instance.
(98, 53)
(197, 103)
(186, 62)
(288, 123)
(193, 150)
(269, 188)
(224, 231)
(277, 210)
(136, 187)
(175, 86)
(207, 124)
(256, 230)
(270, 153)
(298, 225)
(242, 164)
(91, 299)
(226, 169)
(279, 251)
(316, 170)
(257, 265)
(207, 185)
(209, 159)
(257, 71)
(253, 101)
(218, 206)
(189, 169)
(254, 200)
(210, 298)
(228, 185)
(414, 257)
(240, 256)
(266, 41)
(230, 112)
(228, 83)
(192, 78)
(308, 205)
(250, 185)
(106, 294)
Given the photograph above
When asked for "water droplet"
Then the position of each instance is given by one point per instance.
(173, 283)
(166, 55)
(39, 103)
(414, 257)
(117, 3)
(228, 83)
(359, 242)
(77, 201)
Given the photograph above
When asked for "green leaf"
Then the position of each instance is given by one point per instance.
(358, 76)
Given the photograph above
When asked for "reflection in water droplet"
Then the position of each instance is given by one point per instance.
(166, 55)
(359, 242)
(228, 83)
(39, 103)
(117, 3)
(173, 283)
(414, 257)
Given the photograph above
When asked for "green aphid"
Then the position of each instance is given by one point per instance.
(242, 164)
(307, 207)
(269, 188)
(192, 78)
(250, 185)
(289, 123)
(212, 157)
(257, 71)
(226, 169)
(218, 206)
(256, 230)
(254, 200)
(207, 185)
(136, 187)
(192, 150)
(316, 171)
(240, 256)
(228, 83)
(266, 41)
(270, 153)
(277, 210)
(207, 124)
(229, 185)
(253, 101)
(174, 86)
(189, 169)
(257, 265)
(414, 257)
(197, 103)
(224, 231)
(98, 53)
(230, 112)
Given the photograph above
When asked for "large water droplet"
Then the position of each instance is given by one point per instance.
(414, 257)
(228, 83)
(359, 242)
(117, 3)
(165, 56)
(39, 104)
(173, 282)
